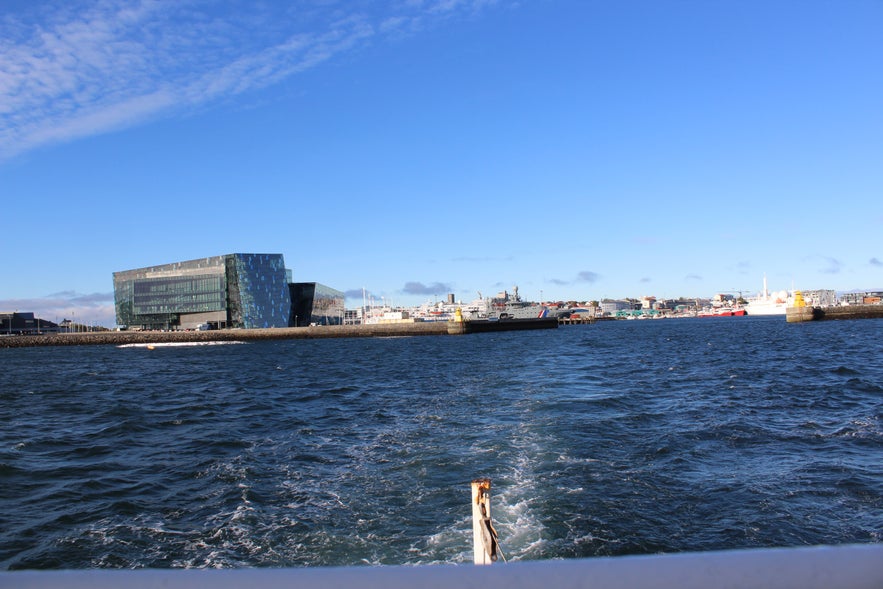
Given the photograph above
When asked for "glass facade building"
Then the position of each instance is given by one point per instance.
(234, 290)
(314, 303)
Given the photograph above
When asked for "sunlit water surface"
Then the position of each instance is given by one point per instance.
(616, 438)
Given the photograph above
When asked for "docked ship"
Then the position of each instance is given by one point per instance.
(767, 303)
(723, 312)
(723, 305)
(501, 313)
(504, 306)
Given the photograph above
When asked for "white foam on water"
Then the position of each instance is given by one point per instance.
(153, 345)
(517, 499)
(452, 544)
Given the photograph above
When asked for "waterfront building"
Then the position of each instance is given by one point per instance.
(15, 323)
(353, 316)
(233, 290)
(611, 307)
(315, 304)
(861, 297)
(819, 298)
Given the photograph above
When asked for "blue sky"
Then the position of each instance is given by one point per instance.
(579, 149)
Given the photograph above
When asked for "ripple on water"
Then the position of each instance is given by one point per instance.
(615, 438)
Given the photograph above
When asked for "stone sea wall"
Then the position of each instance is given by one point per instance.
(118, 338)
(800, 314)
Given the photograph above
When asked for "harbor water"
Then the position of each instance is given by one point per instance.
(627, 437)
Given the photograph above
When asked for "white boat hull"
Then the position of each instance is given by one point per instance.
(772, 308)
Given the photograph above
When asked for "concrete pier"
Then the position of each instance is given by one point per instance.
(800, 314)
(576, 320)
(119, 338)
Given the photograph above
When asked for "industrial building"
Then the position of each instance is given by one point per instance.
(250, 291)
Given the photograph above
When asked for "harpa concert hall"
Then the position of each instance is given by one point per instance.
(250, 291)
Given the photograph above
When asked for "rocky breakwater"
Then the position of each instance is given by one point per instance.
(118, 338)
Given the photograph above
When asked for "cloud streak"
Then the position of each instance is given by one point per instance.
(588, 276)
(832, 265)
(418, 288)
(583, 276)
(85, 68)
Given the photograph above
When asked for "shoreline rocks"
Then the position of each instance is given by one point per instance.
(118, 338)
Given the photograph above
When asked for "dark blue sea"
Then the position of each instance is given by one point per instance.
(626, 437)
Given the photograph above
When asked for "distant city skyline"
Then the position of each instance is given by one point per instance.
(578, 149)
(98, 309)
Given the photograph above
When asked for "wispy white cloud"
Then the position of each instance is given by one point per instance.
(79, 68)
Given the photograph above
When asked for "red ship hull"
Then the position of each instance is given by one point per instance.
(724, 313)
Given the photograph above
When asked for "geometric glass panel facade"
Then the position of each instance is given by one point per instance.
(259, 296)
(234, 290)
(328, 306)
(316, 304)
(181, 294)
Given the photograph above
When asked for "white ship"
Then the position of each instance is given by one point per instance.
(504, 306)
(767, 303)
(501, 306)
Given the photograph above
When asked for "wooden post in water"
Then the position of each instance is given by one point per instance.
(484, 536)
